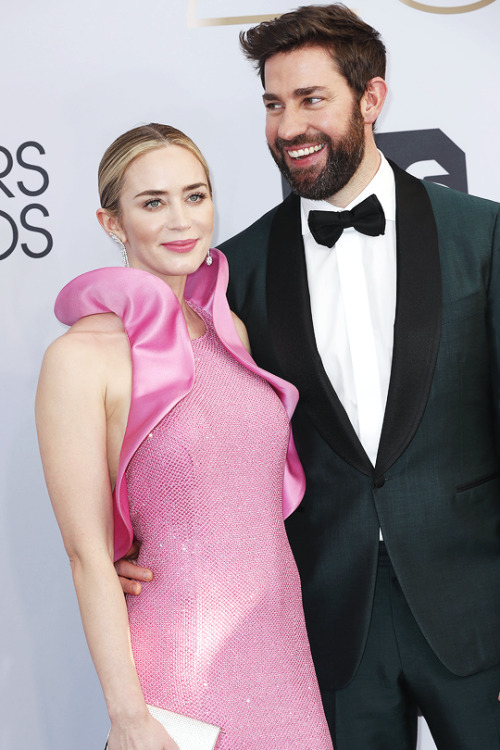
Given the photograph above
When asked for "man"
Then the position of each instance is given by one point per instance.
(392, 338)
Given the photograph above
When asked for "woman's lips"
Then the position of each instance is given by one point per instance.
(180, 246)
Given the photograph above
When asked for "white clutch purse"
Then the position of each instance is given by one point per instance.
(190, 734)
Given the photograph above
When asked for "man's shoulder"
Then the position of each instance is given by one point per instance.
(446, 198)
(467, 220)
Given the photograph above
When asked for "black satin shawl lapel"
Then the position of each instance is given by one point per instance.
(417, 328)
(291, 326)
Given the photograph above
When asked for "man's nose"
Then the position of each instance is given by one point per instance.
(292, 123)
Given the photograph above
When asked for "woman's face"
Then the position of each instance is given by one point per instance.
(166, 213)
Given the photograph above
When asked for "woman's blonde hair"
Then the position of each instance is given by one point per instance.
(127, 147)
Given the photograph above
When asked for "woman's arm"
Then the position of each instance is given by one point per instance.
(72, 428)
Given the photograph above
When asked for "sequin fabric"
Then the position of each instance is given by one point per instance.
(219, 634)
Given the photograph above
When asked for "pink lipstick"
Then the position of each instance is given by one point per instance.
(180, 246)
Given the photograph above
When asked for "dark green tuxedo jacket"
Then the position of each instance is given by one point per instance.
(435, 489)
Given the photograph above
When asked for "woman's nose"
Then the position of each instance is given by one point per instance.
(178, 217)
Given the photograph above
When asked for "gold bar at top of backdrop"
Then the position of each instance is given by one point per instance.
(193, 20)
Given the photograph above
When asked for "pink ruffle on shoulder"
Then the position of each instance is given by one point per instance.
(162, 357)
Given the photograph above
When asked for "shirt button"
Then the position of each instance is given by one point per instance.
(379, 482)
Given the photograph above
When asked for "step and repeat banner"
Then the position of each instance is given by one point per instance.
(74, 76)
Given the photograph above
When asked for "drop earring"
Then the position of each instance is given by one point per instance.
(209, 259)
(123, 249)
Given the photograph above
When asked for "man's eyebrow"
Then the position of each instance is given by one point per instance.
(308, 91)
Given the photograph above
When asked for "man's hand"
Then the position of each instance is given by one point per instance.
(130, 573)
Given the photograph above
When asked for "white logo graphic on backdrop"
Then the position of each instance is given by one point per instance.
(447, 6)
(21, 179)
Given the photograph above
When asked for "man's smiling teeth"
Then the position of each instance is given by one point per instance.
(305, 151)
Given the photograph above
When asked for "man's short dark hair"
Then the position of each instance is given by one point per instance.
(355, 47)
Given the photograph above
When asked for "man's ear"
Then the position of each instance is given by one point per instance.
(110, 223)
(373, 99)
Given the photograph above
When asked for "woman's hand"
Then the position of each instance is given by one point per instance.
(145, 734)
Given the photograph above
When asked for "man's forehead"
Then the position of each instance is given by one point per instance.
(305, 67)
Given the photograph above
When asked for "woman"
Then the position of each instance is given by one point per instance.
(155, 422)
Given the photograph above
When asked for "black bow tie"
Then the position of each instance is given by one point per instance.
(367, 217)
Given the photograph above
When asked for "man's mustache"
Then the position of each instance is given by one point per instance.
(300, 140)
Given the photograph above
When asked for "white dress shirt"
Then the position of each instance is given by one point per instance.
(352, 289)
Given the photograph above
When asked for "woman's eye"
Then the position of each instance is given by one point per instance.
(153, 203)
(196, 197)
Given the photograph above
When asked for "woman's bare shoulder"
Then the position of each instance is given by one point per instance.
(91, 341)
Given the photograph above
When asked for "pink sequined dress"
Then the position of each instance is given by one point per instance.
(219, 634)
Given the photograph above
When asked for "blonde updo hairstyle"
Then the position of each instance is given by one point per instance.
(127, 147)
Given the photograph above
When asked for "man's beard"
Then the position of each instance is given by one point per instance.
(342, 161)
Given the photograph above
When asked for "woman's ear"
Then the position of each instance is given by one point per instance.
(110, 223)
(373, 99)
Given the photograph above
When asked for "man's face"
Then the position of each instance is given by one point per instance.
(314, 127)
